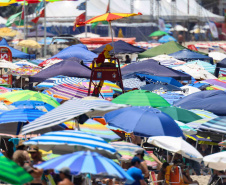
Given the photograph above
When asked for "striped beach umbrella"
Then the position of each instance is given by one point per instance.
(204, 113)
(216, 84)
(87, 163)
(12, 173)
(186, 129)
(69, 80)
(127, 150)
(11, 97)
(223, 143)
(68, 91)
(68, 141)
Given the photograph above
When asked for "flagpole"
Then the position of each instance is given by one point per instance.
(86, 19)
(44, 28)
(24, 21)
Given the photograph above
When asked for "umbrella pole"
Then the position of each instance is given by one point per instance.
(112, 38)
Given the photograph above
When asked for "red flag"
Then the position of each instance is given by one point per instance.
(42, 14)
(22, 14)
(108, 8)
(79, 19)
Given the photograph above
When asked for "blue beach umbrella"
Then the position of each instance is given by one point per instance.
(167, 38)
(158, 86)
(87, 163)
(143, 121)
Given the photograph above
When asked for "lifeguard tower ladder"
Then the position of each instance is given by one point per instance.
(107, 71)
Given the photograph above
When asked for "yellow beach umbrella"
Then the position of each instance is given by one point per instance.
(29, 44)
(7, 32)
(7, 2)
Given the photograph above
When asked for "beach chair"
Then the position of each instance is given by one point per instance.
(153, 179)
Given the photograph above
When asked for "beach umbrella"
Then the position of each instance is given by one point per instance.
(216, 84)
(12, 173)
(186, 129)
(187, 89)
(223, 143)
(176, 145)
(68, 141)
(5, 107)
(206, 65)
(29, 44)
(143, 121)
(72, 109)
(141, 98)
(133, 83)
(48, 83)
(171, 97)
(25, 63)
(167, 60)
(68, 80)
(217, 55)
(204, 113)
(160, 86)
(167, 38)
(179, 114)
(178, 28)
(25, 70)
(11, 97)
(7, 65)
(216, 161)
(87, 163)
(11, 121)
(158, 33)
(127, 150)
(7, 32)
(67, 91)
(31, 104)
(4, 89)
(49, 62)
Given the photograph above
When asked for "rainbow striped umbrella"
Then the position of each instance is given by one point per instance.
(216, 84)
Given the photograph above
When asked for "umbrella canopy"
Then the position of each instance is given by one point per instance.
(179, 114)
(158, 33)
(25, 70)
(143, 121)
(186, 129)
(49, 62)
(70, 110)
(29, 44)
(171, 97)
(25, 63)
(13, 173)
(216, 161)
(160, 86)
(189, 90)
(223, 143)
(20, 117)
(4, 89)
(176, 145)
(7, 32)
(141, 98)
(11, 97)
(133, 83)
(217, 84)
(167, 38)
(67, 141)
(207, 100)
(206, 65)
(204, 113)
(31, 104)
(217, 55)
(121, 47)
(127, 150)
(7, 65)
(68, 80)
(87, 163)
(167, 60)
(68, 91)
(70, 67)
(178, 28)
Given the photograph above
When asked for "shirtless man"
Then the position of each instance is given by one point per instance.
(65, 176)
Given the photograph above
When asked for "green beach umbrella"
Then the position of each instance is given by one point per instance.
(179, 114)
(12, 173)
(141, 98)
(158, 33)
(22, 95)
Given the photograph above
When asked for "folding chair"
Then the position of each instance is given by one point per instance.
(153, 179)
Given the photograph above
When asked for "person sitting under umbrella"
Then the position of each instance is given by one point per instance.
(65, 176)
(140, 154)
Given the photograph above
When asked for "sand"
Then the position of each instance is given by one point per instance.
(203, 180)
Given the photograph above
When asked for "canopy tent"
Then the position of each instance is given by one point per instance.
(207, 100)
(186, 55)
(79, 51)
(40, 33)
(152, 67)
(121, 47)
(221, 64)
(70, 67)
(167, 48)
(16, 53)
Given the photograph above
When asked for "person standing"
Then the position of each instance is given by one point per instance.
(65, 176)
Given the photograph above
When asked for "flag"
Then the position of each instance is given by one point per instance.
(213, 29)
(108, 7)
(161, 24)
(40, 12)
(79, 19)
(22, 14)
(82, 6)
(16, 19)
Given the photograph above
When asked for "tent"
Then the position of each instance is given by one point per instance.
(152, 67)
(167, 38)
(40, 33)
(70, 67)
(207, 100)
(186, 55)
(121, 47)
(16, 53)
(79, 51)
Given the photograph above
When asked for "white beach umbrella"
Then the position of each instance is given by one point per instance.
(216, 161)
(179, 28)
(217, 55)
(176, 145)
(7, 65)
(189, 90)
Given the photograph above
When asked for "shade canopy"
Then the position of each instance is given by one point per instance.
(167, 38)
(160, 86)
(157, 33)
(79, 51)
(70, 67)
(16, 53)
(152, 67)
(216, 161)
(40, 33)
(121, 47)
(207, 100)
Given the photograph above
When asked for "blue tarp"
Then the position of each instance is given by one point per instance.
(70, 67)
(152, 67)
(186, 55)
(16, 53)
(212, 101)
(121, 47)
(167, 38)
(79, 51)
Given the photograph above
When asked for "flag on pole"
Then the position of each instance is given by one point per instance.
(161, 24)
(40, 12)
(80, 18)
(213, 29)
(16, 19)
(22, 14)
(108, 7)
